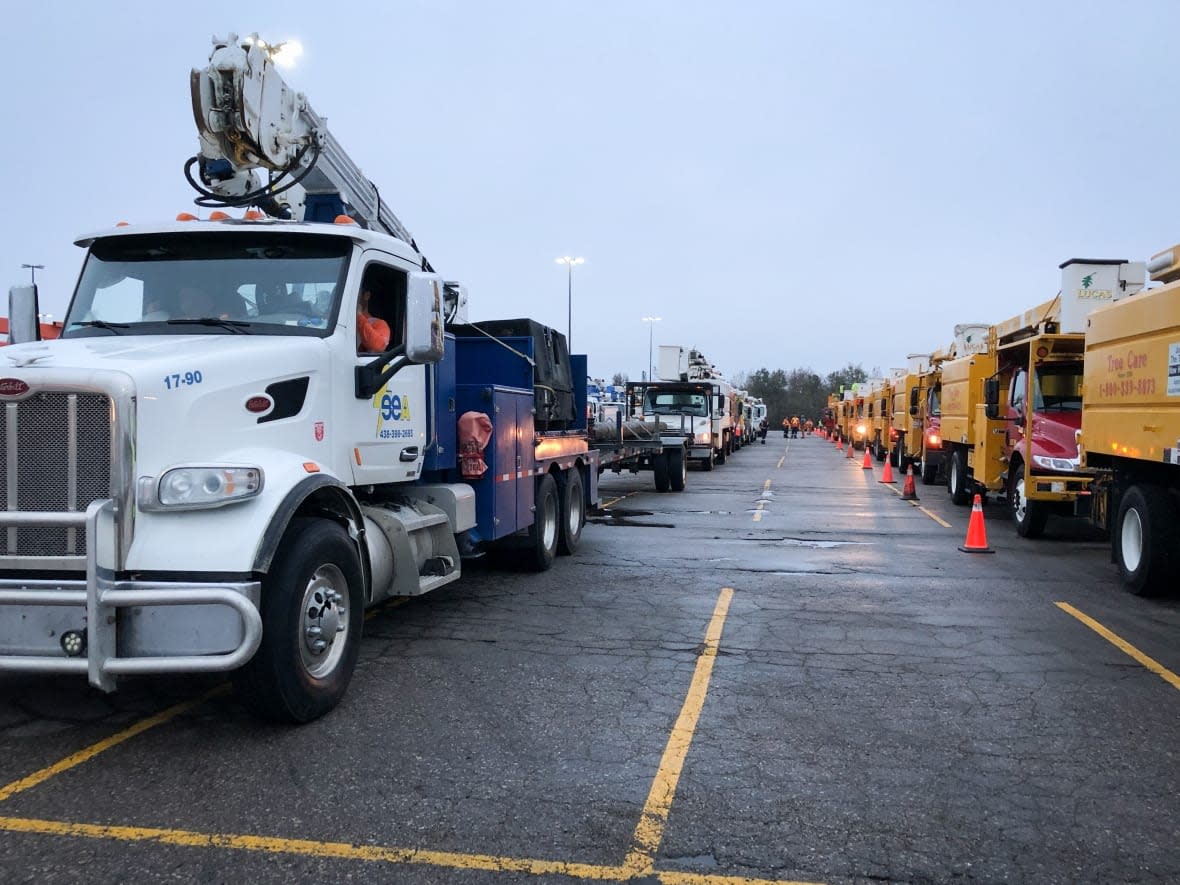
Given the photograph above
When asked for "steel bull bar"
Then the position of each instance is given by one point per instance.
(102, 597)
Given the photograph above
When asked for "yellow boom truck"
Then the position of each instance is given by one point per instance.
(906, 425)
(972, 446)
(879, 415)
(1131, 427)
(927, 399)
(1036, 396)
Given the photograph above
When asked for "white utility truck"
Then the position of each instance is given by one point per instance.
(251, 429)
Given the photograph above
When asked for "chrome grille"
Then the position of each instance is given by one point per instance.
(55, 456)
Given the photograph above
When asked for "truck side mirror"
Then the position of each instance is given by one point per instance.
(22, 315)
(424, 318)
(991, 399)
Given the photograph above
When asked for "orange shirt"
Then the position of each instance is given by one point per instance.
(372, 333)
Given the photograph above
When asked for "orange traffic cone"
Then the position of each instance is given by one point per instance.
(839, 444)
(850, 448)
(908, 492)
(976, 533)
(868, 462)
(887, 473)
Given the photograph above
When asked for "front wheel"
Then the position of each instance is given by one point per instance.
(312, 611)
(1146, 539)
(707, 463)
(677, 469)
(956, 479)
(720, 459)
(573, 513)
(1030, 516)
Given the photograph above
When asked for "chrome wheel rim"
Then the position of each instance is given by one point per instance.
(1019, 502)
(549, 527)
(323, 621)
(1131, 540)
(575, 515)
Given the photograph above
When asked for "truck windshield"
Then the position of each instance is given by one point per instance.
(675, 403)
(210, 283)
(934, 402)
(1057, 388)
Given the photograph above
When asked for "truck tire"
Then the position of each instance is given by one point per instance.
(659, 468)
(928, 471)
(957, 482)
(720, 453)
(546, 529)
(1030, 516)
(1146, 539)
(677, 469)
(312, 611)
(573, 512)
(881, 453)
(707, 463)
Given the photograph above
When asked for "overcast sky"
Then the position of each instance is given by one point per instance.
(786, 184)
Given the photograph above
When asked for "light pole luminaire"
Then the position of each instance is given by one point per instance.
(651, 330)
(32, 269)
(569, 262)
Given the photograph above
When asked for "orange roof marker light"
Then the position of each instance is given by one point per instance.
(344, 219)
(311, 466)
(218, 215)
(253, 214)
(185, 216)
(122, 224)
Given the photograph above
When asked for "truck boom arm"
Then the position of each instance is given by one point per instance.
(251, 123)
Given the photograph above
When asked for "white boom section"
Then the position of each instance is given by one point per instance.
(248, 118)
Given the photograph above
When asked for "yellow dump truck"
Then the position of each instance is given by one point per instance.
(1130, 426)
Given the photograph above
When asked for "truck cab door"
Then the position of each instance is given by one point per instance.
(387, 429)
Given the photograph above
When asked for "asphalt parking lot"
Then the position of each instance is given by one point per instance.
(783, 674)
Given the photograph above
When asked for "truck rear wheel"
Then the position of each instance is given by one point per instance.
(573, 512)
(928, 471)
(544, 531)
(659, 468)
(1030, 516)
(956, 479)
(1146, 539)
(677, 469)
(312, 611)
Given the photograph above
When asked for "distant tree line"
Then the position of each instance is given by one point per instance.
(800, 391)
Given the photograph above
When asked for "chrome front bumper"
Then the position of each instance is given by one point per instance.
(130, 627)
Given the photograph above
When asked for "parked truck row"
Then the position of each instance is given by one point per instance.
(1070, 408)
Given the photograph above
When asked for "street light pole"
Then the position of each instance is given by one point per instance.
(569, 262)
(32, 269)
(651, 329)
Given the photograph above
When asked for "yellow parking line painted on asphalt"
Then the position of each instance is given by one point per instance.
(370, 853)
(616, 500)
(312, 848)
(650, 830)
(39, 777)
(1118, 642)
(779, 465)
(937, 519)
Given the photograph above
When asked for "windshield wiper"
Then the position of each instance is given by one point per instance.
(102, 324)
(235, 326)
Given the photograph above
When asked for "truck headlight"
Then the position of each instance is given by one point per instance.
(704, 437)
(197, 488)
(1067, 465)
